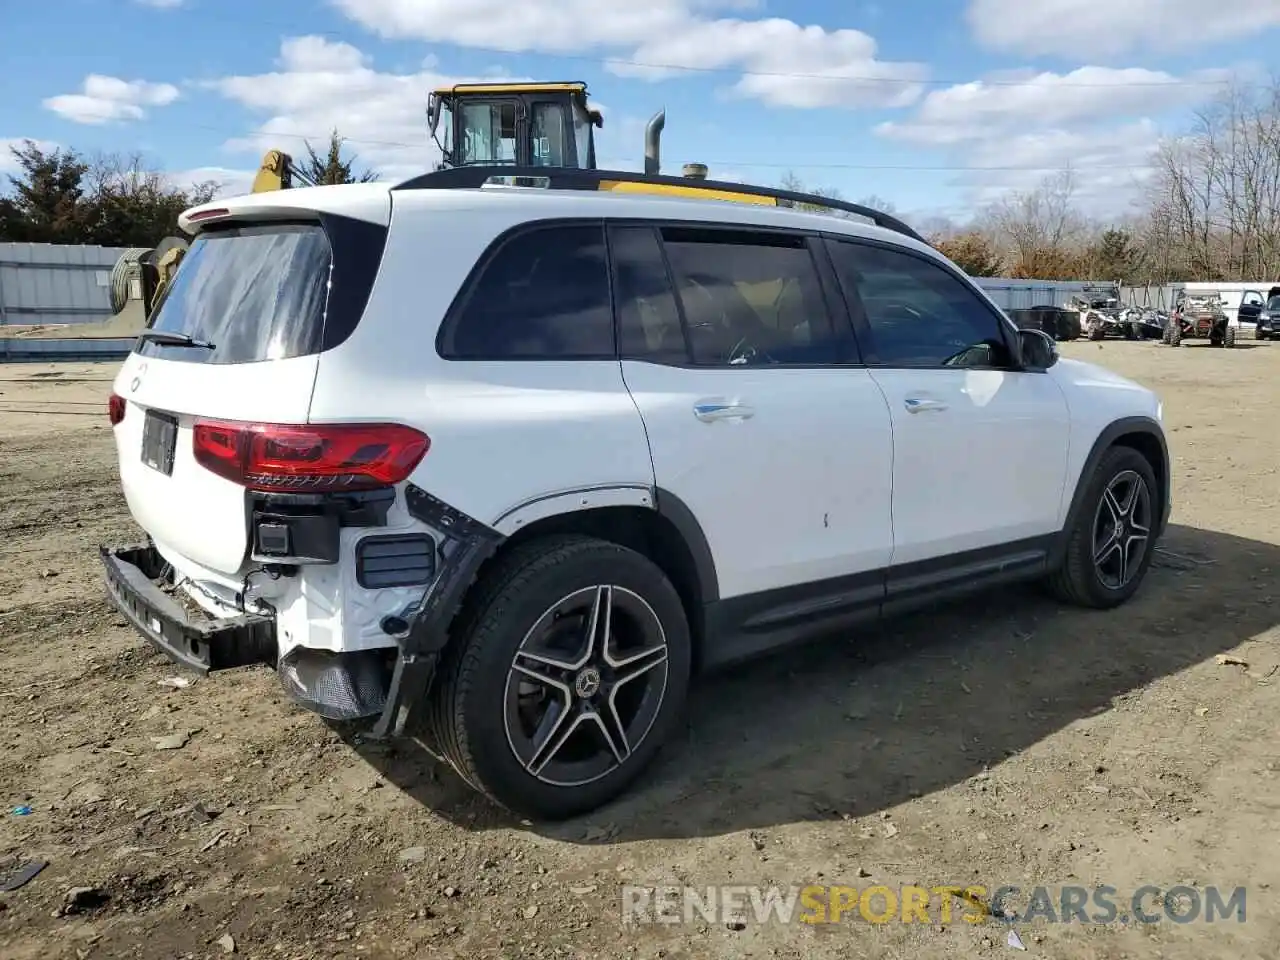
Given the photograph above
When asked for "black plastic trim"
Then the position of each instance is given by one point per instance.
(468, 545)
(682, 518)
(756, 624)
(133, 578)
(310, 524)
(395, 560)
(559, 178)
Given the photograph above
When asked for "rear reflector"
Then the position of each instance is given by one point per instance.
(116, 408)
(309, 458)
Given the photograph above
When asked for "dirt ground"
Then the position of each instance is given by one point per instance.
(1002, 741)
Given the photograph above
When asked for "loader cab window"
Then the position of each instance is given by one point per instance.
(548, 136)
(582, 136)
(488, 133)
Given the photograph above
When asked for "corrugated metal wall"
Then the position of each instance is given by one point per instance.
(1012, 294)
(55, 283)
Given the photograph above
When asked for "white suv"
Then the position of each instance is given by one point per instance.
(530, 457)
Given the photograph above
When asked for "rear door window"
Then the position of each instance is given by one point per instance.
(542, 295)
(750, 298)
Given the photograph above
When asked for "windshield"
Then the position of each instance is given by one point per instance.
(255, 292)
(488, 133)
(1273, 305)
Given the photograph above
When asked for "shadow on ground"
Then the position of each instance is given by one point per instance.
(857, 724)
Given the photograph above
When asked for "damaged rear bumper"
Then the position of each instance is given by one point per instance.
(337, 686)
(136, 576)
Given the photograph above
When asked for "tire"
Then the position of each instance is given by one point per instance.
(1166, 335)
(1258, 334)
(473, 716)
(1175, 334)
(1229, 338)
(1082, 581)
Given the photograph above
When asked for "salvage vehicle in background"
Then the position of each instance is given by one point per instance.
(1199, 316)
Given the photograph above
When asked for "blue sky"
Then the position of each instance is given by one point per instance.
(933, 105)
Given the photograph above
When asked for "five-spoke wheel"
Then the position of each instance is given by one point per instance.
(1109, 538)
(585, 685)
(568, 669)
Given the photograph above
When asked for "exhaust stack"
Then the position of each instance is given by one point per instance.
(652, 143)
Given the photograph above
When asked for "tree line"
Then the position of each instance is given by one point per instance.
(64, 196)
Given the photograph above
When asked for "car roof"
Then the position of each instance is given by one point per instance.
(367, 201)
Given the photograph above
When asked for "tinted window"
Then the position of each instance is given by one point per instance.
(919, 313)
(256, 293)
(749, 298)
(648, 320)
(543, 295)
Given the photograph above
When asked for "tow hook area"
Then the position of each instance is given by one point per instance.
(467, 543)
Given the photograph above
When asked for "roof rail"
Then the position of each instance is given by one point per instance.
(570, 178)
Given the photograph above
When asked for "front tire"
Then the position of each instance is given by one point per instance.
(569, 668)
(1109, 544)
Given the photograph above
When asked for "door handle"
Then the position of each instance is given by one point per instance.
(716, 409)
(921, 404)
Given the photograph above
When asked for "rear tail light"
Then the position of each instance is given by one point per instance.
(309, 458)
(115, 408)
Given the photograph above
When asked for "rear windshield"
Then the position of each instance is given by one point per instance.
(254, 292)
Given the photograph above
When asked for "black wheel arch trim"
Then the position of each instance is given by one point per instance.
(686, 523)
(1105, 440)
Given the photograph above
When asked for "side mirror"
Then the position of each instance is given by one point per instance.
(1039, 350)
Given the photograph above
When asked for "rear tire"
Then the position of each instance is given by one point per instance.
(1229, 338)
(1105, 560)
(1175, 335)
(575, 746)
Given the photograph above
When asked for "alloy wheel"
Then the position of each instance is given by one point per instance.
(585, 685)
(1122, 529)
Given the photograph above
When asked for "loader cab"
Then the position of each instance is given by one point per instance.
(514, 124)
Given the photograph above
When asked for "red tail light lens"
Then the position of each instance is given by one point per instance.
(309, 458)
(115, 408)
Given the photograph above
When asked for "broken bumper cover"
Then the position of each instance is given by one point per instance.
(339, 687)
(134, 576)
(468, 543)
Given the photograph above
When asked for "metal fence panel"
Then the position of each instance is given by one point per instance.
(47, 283)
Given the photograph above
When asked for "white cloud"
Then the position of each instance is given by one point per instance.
(981, 110)
(1109, 165)
(231, 182)
(320, 85)
(107, 99)
(1099, 28)
(1014, 129)
(780, 61)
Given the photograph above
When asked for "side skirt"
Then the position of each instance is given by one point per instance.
(745, 627)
